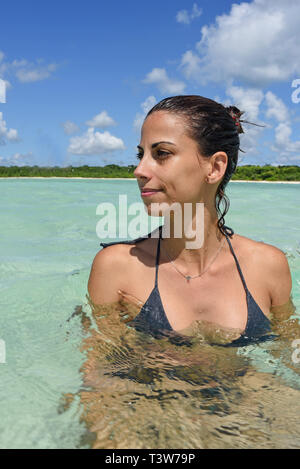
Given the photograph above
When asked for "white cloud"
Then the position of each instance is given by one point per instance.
(18, 159)
(138, 122)
(257, 43)
(95, 143)
(249, 101)
(146, 106)
(183, 16)
(276, 108)
(19, 63)
(246, 99)
(287, 160)
(32, 73)
(283, 145)
(190, 64)
(159, 77)
(282, 134)
(70, 127)
(27, 71)
(7, 134)
(101, 120)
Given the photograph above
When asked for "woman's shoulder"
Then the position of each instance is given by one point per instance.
(111, 270)
(122, 252)
(270, 264)
(146, 244)
(253, 247)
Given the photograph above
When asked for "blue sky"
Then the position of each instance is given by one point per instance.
(79, 77)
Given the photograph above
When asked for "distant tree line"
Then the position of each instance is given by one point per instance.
(246, 173)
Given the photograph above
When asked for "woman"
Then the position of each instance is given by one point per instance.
(188, 153)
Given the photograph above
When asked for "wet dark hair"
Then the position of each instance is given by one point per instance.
(215, 128)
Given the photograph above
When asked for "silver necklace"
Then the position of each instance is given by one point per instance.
(188, 277)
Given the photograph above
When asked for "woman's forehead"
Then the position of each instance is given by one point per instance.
(163, 118)
(164, 126)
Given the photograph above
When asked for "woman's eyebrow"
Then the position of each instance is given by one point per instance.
(155, 145)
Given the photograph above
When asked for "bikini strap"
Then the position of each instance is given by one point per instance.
(130, 241)
(231, 249)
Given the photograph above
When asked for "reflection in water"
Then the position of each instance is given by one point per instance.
(174, 391)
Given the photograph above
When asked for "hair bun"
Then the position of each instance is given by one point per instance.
(236, 114)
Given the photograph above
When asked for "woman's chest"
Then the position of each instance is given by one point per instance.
(218, 297)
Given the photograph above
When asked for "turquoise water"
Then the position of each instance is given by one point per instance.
(48, 242)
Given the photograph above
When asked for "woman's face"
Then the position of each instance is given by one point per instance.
(175, 168)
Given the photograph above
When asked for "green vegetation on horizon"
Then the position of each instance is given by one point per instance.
(246, 173)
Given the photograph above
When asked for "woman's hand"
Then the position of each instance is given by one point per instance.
(131, 304)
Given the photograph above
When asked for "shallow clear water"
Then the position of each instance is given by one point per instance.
(139, 392)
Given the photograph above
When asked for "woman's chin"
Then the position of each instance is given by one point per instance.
(153, 210)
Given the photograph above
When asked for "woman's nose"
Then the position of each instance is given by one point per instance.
(142, 170)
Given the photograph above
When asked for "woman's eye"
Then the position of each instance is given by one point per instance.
(161, 154)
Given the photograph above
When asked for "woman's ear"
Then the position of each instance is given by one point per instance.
(218, 163)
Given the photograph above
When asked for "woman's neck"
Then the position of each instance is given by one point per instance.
(193, 254)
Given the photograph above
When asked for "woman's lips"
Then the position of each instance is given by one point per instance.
(149, 193)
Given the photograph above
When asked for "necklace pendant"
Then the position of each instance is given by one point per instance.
(188, 277)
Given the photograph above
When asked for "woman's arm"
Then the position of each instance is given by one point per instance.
(279, 281)
(106, 275)
(105, 295)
